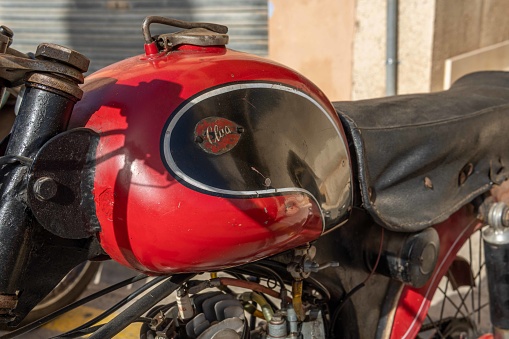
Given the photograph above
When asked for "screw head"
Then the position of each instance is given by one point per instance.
(45, 188)
(64, 55)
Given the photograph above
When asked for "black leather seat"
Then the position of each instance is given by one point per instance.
(421, 157)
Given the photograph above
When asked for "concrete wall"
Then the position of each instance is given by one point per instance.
(415, 39)
(340, 44)
(462, 26)
(315, 38)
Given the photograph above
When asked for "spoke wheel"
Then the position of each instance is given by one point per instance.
(460, 306)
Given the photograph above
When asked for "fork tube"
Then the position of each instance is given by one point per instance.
(498, 285)
(44, 112)
(496, 252)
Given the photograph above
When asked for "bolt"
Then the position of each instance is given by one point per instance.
(276, 319)
(45, 188)
(5, 39)
(198, 139)
(4, 30)
(63, 54)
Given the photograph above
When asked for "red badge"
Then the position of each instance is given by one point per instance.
(217, 135)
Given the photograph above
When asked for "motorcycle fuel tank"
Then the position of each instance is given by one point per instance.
(210, 158)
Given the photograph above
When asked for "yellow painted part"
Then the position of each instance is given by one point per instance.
(297, 299)
(83, 314)
(258, 314)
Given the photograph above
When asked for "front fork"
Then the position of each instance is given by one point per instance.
(496, 252)
(45, 111)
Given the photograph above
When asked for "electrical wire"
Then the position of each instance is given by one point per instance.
(354, 290)
(12, 159)
(266, 272)
(251, 286)
(270, 271)
(113, 308)
(311, 280)
(38, 323)
(141, 306)
(92, 329)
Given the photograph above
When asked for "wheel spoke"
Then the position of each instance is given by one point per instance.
(486, 304)
(463, 299)
(463, 314)
(480, 277)
(452, 302)
(443, 300)
(435, 327)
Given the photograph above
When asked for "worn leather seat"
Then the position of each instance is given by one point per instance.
(421, 157)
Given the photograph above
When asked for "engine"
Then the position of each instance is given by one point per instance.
(234, 314)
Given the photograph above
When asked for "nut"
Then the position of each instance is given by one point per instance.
(4, 30)
(63, 54)
(45, 188)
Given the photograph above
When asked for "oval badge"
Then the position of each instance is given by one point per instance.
(217, 135)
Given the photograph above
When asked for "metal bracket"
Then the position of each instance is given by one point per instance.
(61, 182)
(195, 36)
(303, 264)
(15, 70)
(178, 23)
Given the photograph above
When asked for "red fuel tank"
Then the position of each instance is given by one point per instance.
(210, 158)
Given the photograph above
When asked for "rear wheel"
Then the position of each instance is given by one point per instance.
(460, 306)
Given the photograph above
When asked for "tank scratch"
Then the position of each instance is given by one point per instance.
(247, 101)
(266, 181)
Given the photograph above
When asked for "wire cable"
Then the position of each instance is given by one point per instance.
(141, 306)
(92, 329)
(38, 323)
(354, 290)
(113, 308)
(12, 159)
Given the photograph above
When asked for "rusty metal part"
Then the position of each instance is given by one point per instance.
(15, 69)
(55, 83)
(5, 38)
(4, 30)
(63, 54)
(8, 302)
(17, 53)
(195, 36)
(178, 23)
(248, 285)
(5, 41)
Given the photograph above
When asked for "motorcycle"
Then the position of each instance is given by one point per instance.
(311, 219)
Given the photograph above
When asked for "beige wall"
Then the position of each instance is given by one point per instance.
(462, 26)
(340, 44)
(315, 38)
(415, 39)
